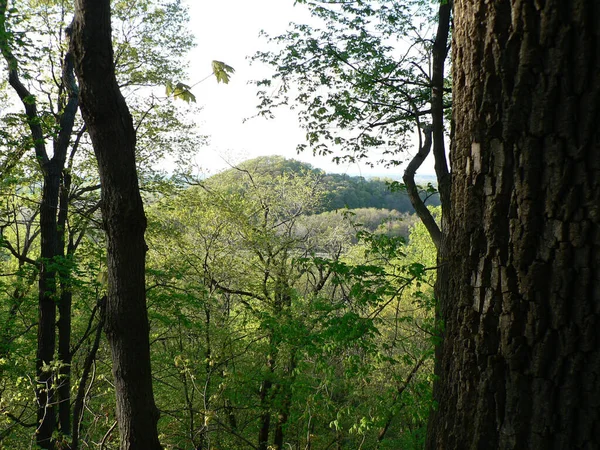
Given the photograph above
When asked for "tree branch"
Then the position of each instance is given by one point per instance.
(413, 192)
(27, 99)
(67, 117)
(440, 51)
(7, 245)
(398, 394)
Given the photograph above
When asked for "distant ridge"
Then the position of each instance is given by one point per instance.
(342, 190)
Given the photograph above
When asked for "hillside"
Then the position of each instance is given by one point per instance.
(342, 191)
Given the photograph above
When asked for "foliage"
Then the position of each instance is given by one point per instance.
(222, 71)
(180, 91)
(283, 301)
(340, 191)
(364, 70)
(258, 309)
(150, 41)
(245, 289)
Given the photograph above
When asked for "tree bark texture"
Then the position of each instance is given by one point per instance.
(113, 136)
(520, 358)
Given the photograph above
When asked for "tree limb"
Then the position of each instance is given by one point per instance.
(26, 97)
(398, 394)
(413, 193)
(440, 51)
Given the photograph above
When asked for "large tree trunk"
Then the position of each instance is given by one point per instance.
(111, 129)
(520, 359)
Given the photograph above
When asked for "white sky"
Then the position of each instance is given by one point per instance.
(227, 30)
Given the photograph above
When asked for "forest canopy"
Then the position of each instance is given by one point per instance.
(262, 302)
(274, 305)
(341, 191)
(286, 305)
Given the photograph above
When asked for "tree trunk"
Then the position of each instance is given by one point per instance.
(113, 136)
(64, 313)
(46, 342)
(520, 359)
(265, 394)
(52, 236)
(283, 412)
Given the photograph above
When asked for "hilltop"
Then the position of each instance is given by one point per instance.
(341, 190)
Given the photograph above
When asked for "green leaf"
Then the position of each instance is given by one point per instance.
(180, 91)
(222, 71)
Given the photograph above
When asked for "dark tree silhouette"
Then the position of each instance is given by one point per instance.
(113, 136)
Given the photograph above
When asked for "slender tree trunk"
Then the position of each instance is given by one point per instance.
(265, 418)
(113, 136)
(520, 359)
(189, 398)
(381, 435)
(64, 314)
(51, 170)
(79, 402)
(439, 54)
(46, 342)
(53, 217)
(50, 247)
(16, 299)
(283, 414)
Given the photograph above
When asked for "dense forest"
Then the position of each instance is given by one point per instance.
(269, 312)
(275, 306)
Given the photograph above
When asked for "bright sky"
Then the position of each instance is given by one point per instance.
(228, 31)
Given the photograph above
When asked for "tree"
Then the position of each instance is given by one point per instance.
(519, 365)
(52, 220)
(46, 153)
(111, 129)
(375, 71)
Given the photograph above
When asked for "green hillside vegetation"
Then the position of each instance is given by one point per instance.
(272, 318)
(275, 319)
(341, 191)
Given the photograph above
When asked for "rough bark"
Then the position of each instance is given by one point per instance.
(520, 359)
(113, 137)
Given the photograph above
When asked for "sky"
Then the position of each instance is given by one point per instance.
(228, 31)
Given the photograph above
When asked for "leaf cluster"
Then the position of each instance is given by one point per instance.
(364, 72)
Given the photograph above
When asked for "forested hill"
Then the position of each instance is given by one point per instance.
(342, 191)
